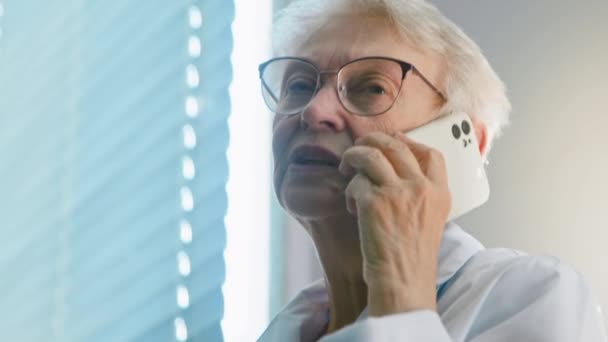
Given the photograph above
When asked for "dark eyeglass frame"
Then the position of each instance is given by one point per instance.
(405, 68)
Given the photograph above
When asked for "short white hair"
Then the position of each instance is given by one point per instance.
(471, 85)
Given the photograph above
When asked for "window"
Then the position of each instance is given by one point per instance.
(247, 287)
(113, 137)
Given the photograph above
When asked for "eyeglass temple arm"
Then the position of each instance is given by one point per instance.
(429, 83)
(261, 68)
(270, 92)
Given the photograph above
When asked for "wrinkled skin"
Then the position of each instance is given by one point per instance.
(377, 219)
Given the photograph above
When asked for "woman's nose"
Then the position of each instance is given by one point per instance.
(324, 112)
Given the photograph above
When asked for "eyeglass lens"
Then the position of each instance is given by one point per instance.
(365, 87)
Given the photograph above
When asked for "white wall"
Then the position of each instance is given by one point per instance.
(549, 172)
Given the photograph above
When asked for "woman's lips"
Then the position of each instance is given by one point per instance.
(313, 156)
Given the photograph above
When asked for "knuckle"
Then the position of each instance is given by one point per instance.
(348, 155)
(367, 202)
(420, 188)
(374, 155)
(353, 186)
(436, 156)
(394, 145)
(372, 202)
(377, 135)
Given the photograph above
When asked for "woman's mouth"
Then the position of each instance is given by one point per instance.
(313, 156)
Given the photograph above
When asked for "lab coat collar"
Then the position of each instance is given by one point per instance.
(305, 318)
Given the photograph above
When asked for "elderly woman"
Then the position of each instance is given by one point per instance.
(376, 203)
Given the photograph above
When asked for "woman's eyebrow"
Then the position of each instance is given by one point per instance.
(293, 67)
(324, 60)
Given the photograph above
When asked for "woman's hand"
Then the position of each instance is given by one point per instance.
(400, 196)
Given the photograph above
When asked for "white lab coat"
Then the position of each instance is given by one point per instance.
(484, 295)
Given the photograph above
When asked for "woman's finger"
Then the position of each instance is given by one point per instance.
(358, 187)
(396, 151)
(431, 161)
(369, 161)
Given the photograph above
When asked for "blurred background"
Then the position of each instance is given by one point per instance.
(135, 195)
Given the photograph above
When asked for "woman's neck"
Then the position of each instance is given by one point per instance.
(337, 243)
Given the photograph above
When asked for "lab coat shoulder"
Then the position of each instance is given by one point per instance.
(304, 318)
(500, 295)
(506, 295)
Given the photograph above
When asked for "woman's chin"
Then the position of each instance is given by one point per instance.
(313, 202)
(312, 193)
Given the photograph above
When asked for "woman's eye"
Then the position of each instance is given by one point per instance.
(369, 88)
(300, 86)
(376, 90)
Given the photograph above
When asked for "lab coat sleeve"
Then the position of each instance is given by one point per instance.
(532, 299)
(537, 298)
(417, 326)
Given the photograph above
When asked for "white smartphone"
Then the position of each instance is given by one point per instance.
(453, 135)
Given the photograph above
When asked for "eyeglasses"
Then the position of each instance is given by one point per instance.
(366, 86)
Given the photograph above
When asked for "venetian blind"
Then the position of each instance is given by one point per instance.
(113, 133)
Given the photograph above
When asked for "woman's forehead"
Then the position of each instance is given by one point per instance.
(348, 38)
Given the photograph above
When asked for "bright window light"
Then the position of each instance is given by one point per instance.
(187, 199)
(191, 106)
(195, 17)
(194, 46)
(189, 137)
(183, 263)
(185, 232)
(246, 289)
(192, 76)
(181, 330)
(188, 169)
(183, 297)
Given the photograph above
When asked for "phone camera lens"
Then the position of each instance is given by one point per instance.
(456, 131)
(466, 128)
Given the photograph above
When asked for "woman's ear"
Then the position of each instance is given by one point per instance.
(481, 132)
